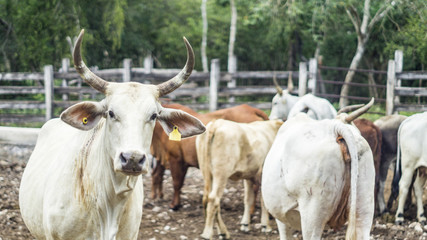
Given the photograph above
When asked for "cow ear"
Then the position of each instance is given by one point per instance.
(84, 115)
(187, 125)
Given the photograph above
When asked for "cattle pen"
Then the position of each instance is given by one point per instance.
(66, 88)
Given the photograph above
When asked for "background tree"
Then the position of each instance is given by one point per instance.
(363, 27)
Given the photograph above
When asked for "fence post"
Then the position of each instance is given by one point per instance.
(391, 81)
(213, 86)
(232, 68)
(64, 69)
(127, 74)
(312, 68)
(148, 63)
(398, 60)
(48, 90)
(302, 79)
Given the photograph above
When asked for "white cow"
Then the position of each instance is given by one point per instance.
(306, 180)
(412, 143)
(83, 180)
(230, 150)
(285, 105)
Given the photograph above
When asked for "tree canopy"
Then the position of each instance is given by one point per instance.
(271, 35)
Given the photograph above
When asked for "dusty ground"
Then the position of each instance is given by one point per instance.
(159, 222)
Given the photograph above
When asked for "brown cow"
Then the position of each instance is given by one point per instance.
(373, 136)
(178, 156)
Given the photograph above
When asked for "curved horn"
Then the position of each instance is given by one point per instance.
(350, 108)
(290, 83)
(278, 88)
(359, 111)
(181, 77)
(85, 73)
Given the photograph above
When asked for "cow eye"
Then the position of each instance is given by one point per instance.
(111, 114)
(153, 117)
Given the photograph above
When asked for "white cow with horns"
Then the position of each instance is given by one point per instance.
(412, 146)
(285, 105)
(313, 171)
(83, 180)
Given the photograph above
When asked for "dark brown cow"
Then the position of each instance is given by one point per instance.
(373, 136)
(178, 156)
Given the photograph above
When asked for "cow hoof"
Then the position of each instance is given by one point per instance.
(244, 227)
(204, 237)
(224, 236)
(266, 229)
(175, 207)
(399, 222)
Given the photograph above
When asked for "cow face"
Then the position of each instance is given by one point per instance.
(130, 111)
(280, 108)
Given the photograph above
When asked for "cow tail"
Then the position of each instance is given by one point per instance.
(203, 155)
(398, 170)
(345, 132)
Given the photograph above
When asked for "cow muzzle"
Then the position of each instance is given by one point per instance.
(132, 163)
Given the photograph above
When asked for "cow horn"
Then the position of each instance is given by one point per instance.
(181, 77)
(85, 73)
(359, 111)
(278, 88)
(350, 108)
(290, 83)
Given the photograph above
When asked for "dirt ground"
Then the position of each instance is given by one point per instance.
(158, 222)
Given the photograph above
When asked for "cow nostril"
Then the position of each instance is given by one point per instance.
(123, 159)
(142, 160)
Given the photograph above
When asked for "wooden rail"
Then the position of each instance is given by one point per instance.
(203, 91)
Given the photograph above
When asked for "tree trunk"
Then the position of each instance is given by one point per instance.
(204, 37)
(231, 58)
(363, 29)
(350, 74)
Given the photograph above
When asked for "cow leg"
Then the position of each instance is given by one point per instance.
(285, 232)
(418, 190)
(404, 184)
(365, 201)
(256, 187)
(312, 220)
(380, 198)
(213, 208)
(265, 218)
(249, 200)
(222, 229)
(157, 181)
(385, 164)
(178, 171)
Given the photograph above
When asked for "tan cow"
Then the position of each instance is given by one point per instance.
(179, 156)
(235, 151)
(83, 179)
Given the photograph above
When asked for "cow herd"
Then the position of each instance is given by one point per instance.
(316, 167)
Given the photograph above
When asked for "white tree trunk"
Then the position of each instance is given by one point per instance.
(350, 74)
(204, 37)
(231, 60)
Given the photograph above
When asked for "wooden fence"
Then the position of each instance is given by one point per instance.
(203, 91)
(60, 89)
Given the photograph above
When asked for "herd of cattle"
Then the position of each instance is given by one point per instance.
(315, 166)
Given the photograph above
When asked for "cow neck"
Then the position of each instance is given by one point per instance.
(290, 101)
(98, 186)
(96, 179)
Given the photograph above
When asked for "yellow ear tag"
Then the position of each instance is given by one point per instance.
(84, 120)
(175, 135)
